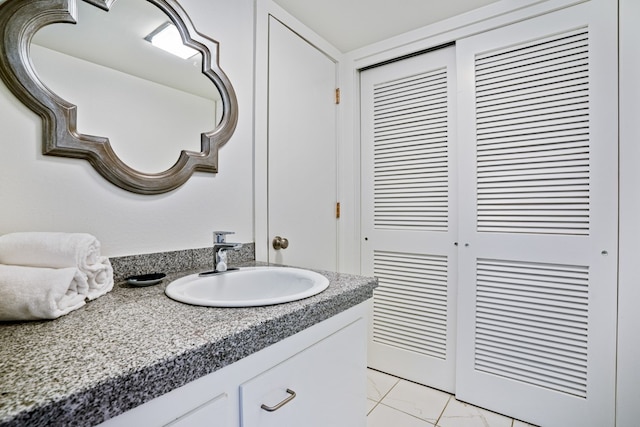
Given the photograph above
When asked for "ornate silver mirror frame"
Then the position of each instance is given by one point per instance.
(21, 19)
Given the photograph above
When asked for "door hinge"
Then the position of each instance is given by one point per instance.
(338, 210)
(337, 95)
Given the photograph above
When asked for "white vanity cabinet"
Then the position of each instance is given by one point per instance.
(318, 387)
(324, 365)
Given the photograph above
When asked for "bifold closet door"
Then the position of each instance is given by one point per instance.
(409, 215)
(538, 218)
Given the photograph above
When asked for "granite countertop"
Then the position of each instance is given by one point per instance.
(135, 344)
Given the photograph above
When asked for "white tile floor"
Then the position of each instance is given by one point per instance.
(394, 402)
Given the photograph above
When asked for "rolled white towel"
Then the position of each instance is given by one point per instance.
(29, 293)
(49, 249)
(100, 278)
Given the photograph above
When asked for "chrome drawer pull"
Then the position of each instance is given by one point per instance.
(281, 404)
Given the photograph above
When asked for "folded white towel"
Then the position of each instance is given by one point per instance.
(60, 250)
(28, 293)
(100, 278)
(49, 249)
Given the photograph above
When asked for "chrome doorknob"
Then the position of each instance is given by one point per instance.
(280, 243)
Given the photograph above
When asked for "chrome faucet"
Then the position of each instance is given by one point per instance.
(220, 247)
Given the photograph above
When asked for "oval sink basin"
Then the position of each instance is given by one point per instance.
(247, 287)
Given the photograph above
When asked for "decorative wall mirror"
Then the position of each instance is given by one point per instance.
(61, 73)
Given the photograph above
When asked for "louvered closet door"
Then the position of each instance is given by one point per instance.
(408, 215)
(538, 203)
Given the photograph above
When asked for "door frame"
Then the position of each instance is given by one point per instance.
(627, 408)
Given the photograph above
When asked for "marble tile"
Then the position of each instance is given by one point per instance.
(379, 384)
(384, 416)
(517, 423)
(370, 405)
(460, 414)
(417, 400)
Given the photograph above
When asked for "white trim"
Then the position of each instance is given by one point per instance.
(627, 408)
(260, 155)
(477, 21)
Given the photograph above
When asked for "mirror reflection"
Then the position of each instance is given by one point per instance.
(149, 103)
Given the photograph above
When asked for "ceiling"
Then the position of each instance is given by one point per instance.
(351, 24)
(346, 24)
(125, 49)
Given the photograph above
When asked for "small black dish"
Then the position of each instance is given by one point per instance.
(146, 279)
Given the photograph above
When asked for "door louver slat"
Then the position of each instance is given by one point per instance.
(532, 323)
(410, 303)
(410, 150)
(533, 163)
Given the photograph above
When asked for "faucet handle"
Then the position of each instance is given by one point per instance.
(220, 236)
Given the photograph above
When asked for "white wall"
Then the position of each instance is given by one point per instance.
(39, 193)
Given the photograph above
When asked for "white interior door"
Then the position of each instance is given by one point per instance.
(302, 172)
(409, 216)
(538, 222)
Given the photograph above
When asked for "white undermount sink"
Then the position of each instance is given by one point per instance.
(247, 287)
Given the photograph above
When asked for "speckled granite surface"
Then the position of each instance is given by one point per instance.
(134, 344)
(176, 261)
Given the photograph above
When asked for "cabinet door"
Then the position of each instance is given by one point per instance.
(196, 404)
(328, 379)
(212, 413)
(538, 224)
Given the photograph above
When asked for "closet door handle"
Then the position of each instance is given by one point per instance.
(292, 395)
